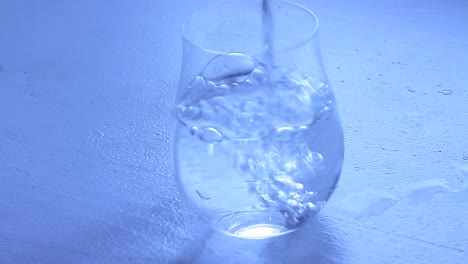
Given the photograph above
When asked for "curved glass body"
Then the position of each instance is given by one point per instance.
(257, 148)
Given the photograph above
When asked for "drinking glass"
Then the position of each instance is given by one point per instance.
(257, 143)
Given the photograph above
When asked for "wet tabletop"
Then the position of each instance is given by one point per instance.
(86, 89)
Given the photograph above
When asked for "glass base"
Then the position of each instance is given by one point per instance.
(253, 225)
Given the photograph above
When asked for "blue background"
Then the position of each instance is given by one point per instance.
(86, 89)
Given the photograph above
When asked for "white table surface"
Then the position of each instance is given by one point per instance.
(86, 89)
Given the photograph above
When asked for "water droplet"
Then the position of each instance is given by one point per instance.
(201, 195)
(464, 156)
(369, 203)
(446, 92)
(410, 89)
(233, 66)
(423, 191)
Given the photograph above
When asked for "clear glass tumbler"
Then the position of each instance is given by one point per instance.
(257, 148)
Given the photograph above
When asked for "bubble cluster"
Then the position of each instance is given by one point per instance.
(233, 96)
(276, 170)
(268, 119)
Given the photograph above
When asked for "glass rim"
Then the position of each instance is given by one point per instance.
(290, 3)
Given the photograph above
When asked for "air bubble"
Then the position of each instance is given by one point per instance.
(223, 89)
(233, 66)
(284, 133)
(290, 166)
(258, 75)
(293, 203)
(284, 179)
(198, 82)
(206, 134)
(281, 195)
(308, 195)
(209, 85)
(194, 131)
(188, 112)
(210, 135)
(296, 196)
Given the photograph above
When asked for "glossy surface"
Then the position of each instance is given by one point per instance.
(86, 90)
